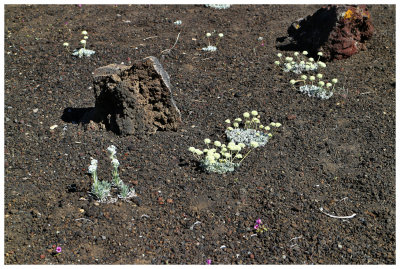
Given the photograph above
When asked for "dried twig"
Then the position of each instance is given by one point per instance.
(150, 37)
(176, 41)
(197, 222)
(84, 219)
(337, 217)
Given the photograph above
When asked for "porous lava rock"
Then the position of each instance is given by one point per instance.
(134, 100)
(339, 31)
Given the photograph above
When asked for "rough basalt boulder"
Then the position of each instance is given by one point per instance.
(133, 100)
(339, 31)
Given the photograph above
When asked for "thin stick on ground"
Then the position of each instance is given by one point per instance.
(176, 41)
(337, 217)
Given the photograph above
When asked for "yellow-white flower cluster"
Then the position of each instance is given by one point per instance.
(303, 64)
(210, 47)
(82, 51)
(251, 121)
(325, 88)
(219, 157)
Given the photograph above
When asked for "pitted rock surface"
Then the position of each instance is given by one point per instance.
(339, 31)
(134, 100)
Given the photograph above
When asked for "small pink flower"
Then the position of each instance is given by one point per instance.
(256, 226)
(258, 221)
(58, 249)
(208, 261)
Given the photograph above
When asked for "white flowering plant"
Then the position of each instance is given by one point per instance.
(250, 129)
(82, 51)
(221, 158)
(102, 189)
(320, 89)
(299, 63)
(210, 47)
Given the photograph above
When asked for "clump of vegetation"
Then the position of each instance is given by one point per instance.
(250, 129)
(102, 189)
(211, 47)
(244, 136)
(320, 89)
(221, 158)
(299, 63)
(83, 51)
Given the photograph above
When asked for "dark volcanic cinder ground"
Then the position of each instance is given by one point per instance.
(338, 154)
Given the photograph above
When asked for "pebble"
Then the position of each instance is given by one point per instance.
(252, 256)
(35, 110)
(53, 126)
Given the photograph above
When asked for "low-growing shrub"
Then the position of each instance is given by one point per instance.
(320, 89)
(299, 63)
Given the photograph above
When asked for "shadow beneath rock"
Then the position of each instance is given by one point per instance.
(76, 115)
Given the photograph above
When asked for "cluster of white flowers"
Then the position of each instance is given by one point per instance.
(303, 64)
(218, 6)
(112, 150)
(101, 189)
(82, 51)
(178, 22)
(249, 129)
(321, 89)
(210, 47)
(221, 158)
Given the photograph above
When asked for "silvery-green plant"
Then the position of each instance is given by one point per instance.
(320, 89)
(299, 63)
(218, 6)
(210, 47)
(100, 189)
(126, 192)
(83, 51)
(116, 180)
(249, 129)
(221, 158)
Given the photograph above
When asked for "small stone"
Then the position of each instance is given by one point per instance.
(252, 256)
(42, 256)
(35, 110)
(170, 201)
(53, 127)
(349, 250)
(291, 117)
(82, 210)
(340, 246)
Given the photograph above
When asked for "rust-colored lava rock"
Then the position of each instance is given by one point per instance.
(134, 100)
(339, 31)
